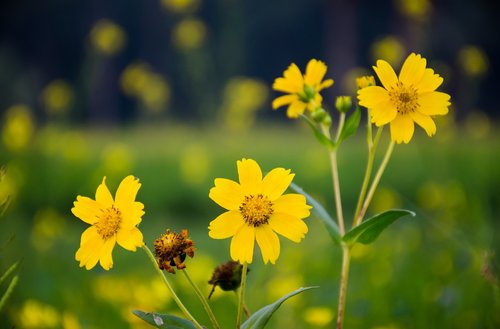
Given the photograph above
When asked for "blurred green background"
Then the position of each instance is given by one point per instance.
(175, 91)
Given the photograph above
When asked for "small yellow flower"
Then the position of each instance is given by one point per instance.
(171, 250)
(111, 221)
(407, 99)
(257, 210)
(365, 81)
(303, 90)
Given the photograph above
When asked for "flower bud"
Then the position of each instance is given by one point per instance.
(343, 103)
(365, 81)
(319, 114)
(171, 250)
(227, 276)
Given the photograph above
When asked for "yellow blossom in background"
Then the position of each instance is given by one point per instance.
(18, 128)
(107, 38)
(194, 164)
(303, 90)
(365, 81)
(34, 314)
(242, 97)
(385, 198)
(112, 221)
(257, 209)
(407, 99)
(390, 49)
(473, 61)
(117, 159)
(417, 9)
(189, 34)
(318, 316)
(57, 97)
(48, 225)
(181, 6)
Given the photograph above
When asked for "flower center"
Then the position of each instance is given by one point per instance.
(256, 209)
(109, 222)
(405, 98)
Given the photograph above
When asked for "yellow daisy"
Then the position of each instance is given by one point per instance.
(257, 210)
(303, 91)
(407, 99)
(111, 221)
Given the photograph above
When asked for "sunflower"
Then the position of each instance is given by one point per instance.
(303, 91)
(405, 99)
(257, 209)
(112, 221)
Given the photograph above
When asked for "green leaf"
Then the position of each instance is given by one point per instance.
(260, 318)
(351, 125)
(370, 229)
(9, 271)
(164, 321)
(318, 134)
(321, 213)
(8, 292)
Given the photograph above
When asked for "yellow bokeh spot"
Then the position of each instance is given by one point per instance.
(318, 316)
(181, 6)
(389, 49)
(242, 98)
(107, 38)
(478, 125)
(70, 321)
(360, 251)
(283, 284)
(18, 128)
(473, 60)
(417, 9)
(195, 164)
(34, 314)
(430, 196)
(74, 146)
(48, 224)
(57, 97)
(189, 34)
(117, 159)
(385, 198)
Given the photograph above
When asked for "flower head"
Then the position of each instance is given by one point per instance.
(365, 81)
(227, 276)
(303, 90)
(171, 250)
(257, 209)
(112, 221)
(407, 99)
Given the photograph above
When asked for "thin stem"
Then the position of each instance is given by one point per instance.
(346, 257)
(203, 300)
(245, 308)
(241, 301)
(167, 283)
(376, 179)
(340, 126)
(372, 146)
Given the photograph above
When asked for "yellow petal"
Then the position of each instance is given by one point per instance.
(383, 113)
(250, 176)
(103, 196)
(315, 71)
(226, 193)
(284, 100)
(86, 209)
(296, 109)
(268, 242)
(372, 96)
(429, 82)
(292, 73)
(88, 235)
(413, 70)
(292, 204)
(276, 182)
(226, 225)
(132, 214)
(425, 122)
(287, 86)
(386, 74)
(288, 226)
(434, 103)
(130, 239)
(105, 254)
(325, 84)
(242, 244)
(88, 253)
(402, 128)
(127, 191)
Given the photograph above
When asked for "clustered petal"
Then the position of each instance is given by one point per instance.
(406, 99)
(303, 91)
(171, 250)
(257, 210)
(112, 221)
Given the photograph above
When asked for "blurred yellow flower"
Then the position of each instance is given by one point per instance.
(34, 314)
(389, 48)
(365, 81)
(107, 38)
(111, 221)
(407, 99)
(18, 128)
(473, 61)
(57, 97)
(303, 90)
(257, 210)
(318, 316)
(418, 9)
(189, 34)
(181, 6)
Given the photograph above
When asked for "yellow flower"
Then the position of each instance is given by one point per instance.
(303, 91)
(365, 81)
(257, 210)
(407, 99)
(111, 221)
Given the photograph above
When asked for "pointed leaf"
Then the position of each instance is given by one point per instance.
(321, 213)
(8, 292)
(370, 229)
(164, 321)
(318, 134)
(260, 318)
(351, 125)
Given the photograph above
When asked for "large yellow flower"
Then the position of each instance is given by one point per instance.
(111, 221)
(257, 210)
(407, 99)
(303, 91)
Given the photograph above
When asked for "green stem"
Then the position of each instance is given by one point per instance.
(340, 126)
(242, 294)
(346, 257)
(376, 179)
(372, 146)
(167, 283)
(203, 300)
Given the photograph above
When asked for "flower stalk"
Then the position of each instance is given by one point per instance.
(346, 258)
(241, 301)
